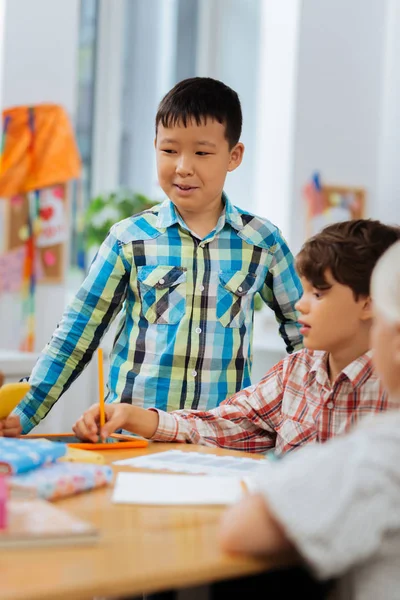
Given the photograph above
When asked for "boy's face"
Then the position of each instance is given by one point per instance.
(192, 163)
(385, 340)
(332, 319)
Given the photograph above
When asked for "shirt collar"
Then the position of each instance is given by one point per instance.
(355, 371)
(168, 215)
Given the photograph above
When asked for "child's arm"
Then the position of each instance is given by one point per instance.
(79, 333)
(249, 527)
(281, 290)
(337, 503)
(244, 422)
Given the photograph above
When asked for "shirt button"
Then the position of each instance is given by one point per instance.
(194, 373)
(198, 330)
(201, 245)
(329, 405)
(161, 281)
(240, 289)
(201, 288)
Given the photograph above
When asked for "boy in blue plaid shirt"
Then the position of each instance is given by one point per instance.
(182, 275)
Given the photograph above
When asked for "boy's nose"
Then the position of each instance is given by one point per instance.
(301, 306)
(184, 167)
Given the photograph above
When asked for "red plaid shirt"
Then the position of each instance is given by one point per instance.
(294, 404)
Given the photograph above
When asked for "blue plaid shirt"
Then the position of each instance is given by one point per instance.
(186, 310)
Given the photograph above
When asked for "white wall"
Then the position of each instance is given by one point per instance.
(228, 47)
(339, 98)
(387, 205)
(276, 110)
(40, 52)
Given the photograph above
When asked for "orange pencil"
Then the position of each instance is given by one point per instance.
(101, 386)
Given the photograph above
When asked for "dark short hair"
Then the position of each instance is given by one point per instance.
(349, 250)
(199, 98)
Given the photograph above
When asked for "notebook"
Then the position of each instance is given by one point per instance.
(60, 480)
(39, 523)
(163, 489)
(195, 462)
(19, 456)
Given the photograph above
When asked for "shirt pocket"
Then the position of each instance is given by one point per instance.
(292, 434)
(162, 290)
(235, 295)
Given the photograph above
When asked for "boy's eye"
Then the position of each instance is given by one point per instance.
(318, 294)
(168, 150)
(203, 153)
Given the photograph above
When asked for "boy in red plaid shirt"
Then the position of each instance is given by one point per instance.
(313, 394)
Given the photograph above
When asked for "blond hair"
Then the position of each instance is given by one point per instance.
(385, 284)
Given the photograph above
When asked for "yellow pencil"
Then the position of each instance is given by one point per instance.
(101, 386)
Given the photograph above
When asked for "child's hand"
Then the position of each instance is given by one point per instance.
(10, 427)
(87, 427)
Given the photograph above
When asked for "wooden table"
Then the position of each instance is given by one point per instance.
(141, 550)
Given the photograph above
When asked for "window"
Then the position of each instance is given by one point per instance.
(84, 123)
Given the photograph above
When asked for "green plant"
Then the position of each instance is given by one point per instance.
(106, 209)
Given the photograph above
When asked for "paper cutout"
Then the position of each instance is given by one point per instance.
(11, 265)
(23, 233)
(49, 258)
(52, 214)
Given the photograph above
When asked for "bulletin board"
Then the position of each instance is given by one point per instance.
(51, 233)
(337, 203)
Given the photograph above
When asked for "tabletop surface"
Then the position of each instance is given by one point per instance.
(142, 549)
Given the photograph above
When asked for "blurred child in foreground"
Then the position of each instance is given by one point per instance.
(337, 506)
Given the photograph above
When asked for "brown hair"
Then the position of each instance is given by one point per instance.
(349, 250)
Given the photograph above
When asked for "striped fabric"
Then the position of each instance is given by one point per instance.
(293, 405)
(186, 312)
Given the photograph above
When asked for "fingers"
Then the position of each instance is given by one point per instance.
(86, 427)
(10, 427)
(115, 419)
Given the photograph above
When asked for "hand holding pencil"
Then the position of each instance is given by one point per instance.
(101, 420)
(92, 424)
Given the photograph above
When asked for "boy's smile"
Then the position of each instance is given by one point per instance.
(185, 190)
(192, 164)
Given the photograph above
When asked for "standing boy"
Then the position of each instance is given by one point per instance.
(183, 275)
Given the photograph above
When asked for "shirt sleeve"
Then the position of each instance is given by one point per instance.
(281, 290)
(83, 324)
(338, 501)
(243, 422)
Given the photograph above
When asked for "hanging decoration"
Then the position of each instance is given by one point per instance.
(39, 160)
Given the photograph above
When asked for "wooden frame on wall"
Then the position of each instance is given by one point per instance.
(338, 203)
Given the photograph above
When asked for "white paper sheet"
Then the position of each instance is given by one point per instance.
(164, 489)
(195, 462)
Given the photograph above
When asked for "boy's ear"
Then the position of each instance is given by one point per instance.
(366, 308)
(236, 156)
(155, 142)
